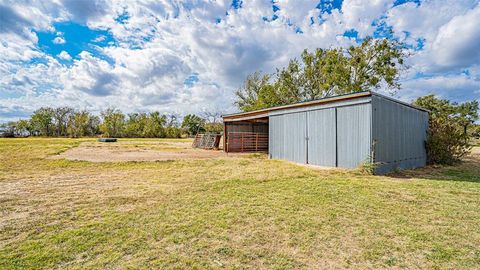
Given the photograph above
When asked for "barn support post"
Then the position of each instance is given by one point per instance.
(225, 137)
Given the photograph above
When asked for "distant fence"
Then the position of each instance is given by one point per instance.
(247, 142)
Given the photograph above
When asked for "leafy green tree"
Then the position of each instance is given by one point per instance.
(193, 124)
(256, 93)
(24, 127)
(42, 121)
(93, 126)
(374, 61)
(288, 87)
(135, 125)
(79, 124)
(323, 73)
(447, 140)
(113, 123)
(155, 127)
(61, 116)
(467, 115)
(172, 129)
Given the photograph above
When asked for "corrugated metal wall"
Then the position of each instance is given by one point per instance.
(287, 135)
(399, 135)
(350, 132)
(321, 137)
(353, 135)
(349, 125)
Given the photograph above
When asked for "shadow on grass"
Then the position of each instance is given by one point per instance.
(466, 171)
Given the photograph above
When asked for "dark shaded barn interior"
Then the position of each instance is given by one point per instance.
(246, 135)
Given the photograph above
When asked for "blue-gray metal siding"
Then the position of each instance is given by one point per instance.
(353, 135)
(375, 128)
(399, 133)
(322, 137)
(348, 123)
(287, 134)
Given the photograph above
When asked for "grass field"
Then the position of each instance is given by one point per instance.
(230, 212)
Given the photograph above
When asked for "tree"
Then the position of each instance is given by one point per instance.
(374, 61)
(93, 126)
(467, 115)
(193, 124)
(155, 127)
(79, 124)
(256, 93)
(113, 123)
(135, 125)
(23, 127)
(447, 139)
(41, 121)
(323, 73)
(61, 116)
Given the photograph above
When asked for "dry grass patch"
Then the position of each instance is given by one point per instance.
(235, 212)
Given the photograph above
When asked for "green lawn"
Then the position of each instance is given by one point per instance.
(233, 212)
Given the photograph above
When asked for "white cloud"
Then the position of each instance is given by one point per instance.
(59, 40)
(360, 14)
(99, 39)
(458, 87)
(447, 29)
(161, 43)
(64, 55)
(458, 41)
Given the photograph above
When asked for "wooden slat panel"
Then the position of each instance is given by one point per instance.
(247, 142)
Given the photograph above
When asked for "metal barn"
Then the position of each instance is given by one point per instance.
(341, 131)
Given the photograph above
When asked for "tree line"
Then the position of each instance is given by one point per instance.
(68, 122)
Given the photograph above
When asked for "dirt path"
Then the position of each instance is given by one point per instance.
(138, 151)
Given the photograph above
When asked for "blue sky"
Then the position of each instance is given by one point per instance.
(190, 56)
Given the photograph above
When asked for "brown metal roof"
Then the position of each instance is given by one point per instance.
(264, 112)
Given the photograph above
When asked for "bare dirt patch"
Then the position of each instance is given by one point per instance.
(151, 150)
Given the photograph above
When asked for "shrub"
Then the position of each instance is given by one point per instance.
(446, 142)
(448, 139)
(367, 167)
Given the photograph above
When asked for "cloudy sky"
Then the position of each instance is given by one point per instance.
(190, 56)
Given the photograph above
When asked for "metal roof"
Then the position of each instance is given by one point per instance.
(264, 112)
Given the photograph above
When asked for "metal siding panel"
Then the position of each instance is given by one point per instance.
(287, 135)
(276, 136)
(321, 137)
(295, 134)
(353, 135)
(399, 133)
